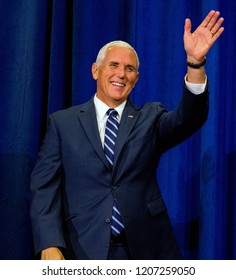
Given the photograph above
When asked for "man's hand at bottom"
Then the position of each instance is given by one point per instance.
(52, 253)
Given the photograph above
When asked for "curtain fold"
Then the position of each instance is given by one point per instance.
(47, 49)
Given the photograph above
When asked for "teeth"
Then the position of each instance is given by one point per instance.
(117, 84)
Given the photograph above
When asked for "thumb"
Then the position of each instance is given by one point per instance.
(187, 26)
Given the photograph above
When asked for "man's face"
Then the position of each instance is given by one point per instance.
(116, 76)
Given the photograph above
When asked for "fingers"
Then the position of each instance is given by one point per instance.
(210, 19)
(212, 22)
(216, 35)
(216, 28)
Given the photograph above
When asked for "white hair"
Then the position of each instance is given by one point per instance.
(102, 53)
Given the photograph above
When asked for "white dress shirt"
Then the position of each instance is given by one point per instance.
(101, 113)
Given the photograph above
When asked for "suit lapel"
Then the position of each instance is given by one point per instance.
(128, 120)
(88, 119)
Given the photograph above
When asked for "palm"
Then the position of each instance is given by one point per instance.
(198, 43)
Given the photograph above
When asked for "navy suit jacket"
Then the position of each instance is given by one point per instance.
(73, 186)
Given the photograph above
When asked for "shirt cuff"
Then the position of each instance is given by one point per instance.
(195, 88)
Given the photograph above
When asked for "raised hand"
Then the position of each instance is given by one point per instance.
(198, 43)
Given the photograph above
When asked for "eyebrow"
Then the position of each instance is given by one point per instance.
(113, 62)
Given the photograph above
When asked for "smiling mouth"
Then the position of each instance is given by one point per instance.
(117, 84)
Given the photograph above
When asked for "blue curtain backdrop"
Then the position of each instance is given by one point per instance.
(46, 51)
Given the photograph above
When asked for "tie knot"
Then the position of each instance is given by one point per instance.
(112, 112)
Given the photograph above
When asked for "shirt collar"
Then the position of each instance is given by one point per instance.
(101, 108)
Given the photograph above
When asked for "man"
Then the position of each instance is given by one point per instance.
(94, 188)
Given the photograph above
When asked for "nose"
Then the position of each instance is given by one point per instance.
(120, 72)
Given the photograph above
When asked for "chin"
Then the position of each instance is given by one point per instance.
(119, 97)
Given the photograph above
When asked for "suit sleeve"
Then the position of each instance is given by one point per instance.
(177, 125)
(46, 179)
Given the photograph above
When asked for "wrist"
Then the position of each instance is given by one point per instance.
(196, 64)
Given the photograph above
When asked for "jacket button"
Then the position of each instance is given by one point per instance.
(114, 187)
(107, 220)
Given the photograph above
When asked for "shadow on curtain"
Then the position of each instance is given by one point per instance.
(47, 48)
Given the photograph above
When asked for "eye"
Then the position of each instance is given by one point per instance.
(130, 68)
(113, 64)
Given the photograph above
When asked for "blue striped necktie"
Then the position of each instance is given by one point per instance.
(111, 131)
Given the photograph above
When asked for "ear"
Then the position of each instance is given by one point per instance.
(95, 71)
(136, 80)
